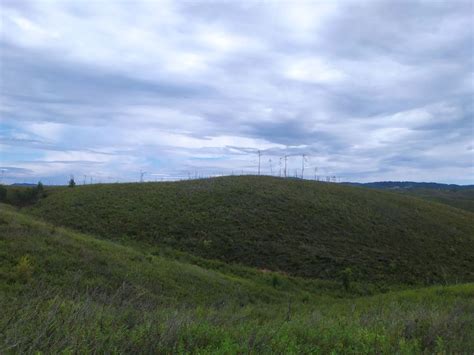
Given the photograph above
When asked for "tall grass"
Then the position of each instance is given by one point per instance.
(436, 320)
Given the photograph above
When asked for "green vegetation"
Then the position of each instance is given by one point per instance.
(233, 265)
(459, 198)
(346, 275)
(22, 196)
(303, 228)
(3, 193)
(63, 291)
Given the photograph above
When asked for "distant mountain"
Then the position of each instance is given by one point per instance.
(410, 185)
(22, 184)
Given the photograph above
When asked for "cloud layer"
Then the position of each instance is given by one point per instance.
(376, 90)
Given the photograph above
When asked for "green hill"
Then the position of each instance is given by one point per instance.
(303, 228)
(67, 292)
(459, 196)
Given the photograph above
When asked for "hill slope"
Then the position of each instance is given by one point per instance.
(60, 258)
(463, 198)
(61, 291)
(459, 196)
(303, 228)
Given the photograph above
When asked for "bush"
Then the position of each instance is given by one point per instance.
(346, 278)
(275, 281)
(23, 197)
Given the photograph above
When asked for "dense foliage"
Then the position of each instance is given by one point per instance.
(22, 196)
(3, 193)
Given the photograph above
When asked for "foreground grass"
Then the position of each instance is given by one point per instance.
(430, 320)
(62, 291)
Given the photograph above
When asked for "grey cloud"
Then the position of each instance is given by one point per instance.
(33, 76)
(11, 171)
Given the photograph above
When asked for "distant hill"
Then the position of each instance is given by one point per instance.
(411, 185)
(303, 228)
(460, 196)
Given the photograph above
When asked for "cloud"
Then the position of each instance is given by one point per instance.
(313, 70)
(368, 90)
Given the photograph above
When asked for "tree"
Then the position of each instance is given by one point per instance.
(72, 183)
(39, 189)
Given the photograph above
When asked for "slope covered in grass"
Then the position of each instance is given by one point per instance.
(41, 253)
(62, 291)
(459, 196)
(303, 228)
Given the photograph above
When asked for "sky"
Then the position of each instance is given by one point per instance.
(366, 90)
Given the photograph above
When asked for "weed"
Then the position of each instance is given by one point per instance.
(24, 268)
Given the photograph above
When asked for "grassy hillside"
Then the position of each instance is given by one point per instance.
(69, 260)
(62, 291)
(303, 228)
(459, 196)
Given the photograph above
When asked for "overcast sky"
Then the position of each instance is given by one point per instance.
(368, 90)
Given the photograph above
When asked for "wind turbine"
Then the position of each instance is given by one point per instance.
(142, 173)
(304, 159)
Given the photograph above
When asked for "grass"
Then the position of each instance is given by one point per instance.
(459, 198)
(302, 228)
(64, 291)
(40, 253)
(433, 320)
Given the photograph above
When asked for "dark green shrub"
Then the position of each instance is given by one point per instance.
(24, 197)
(346, 278)
(275, 281)
(3, 193)
(40, 188)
